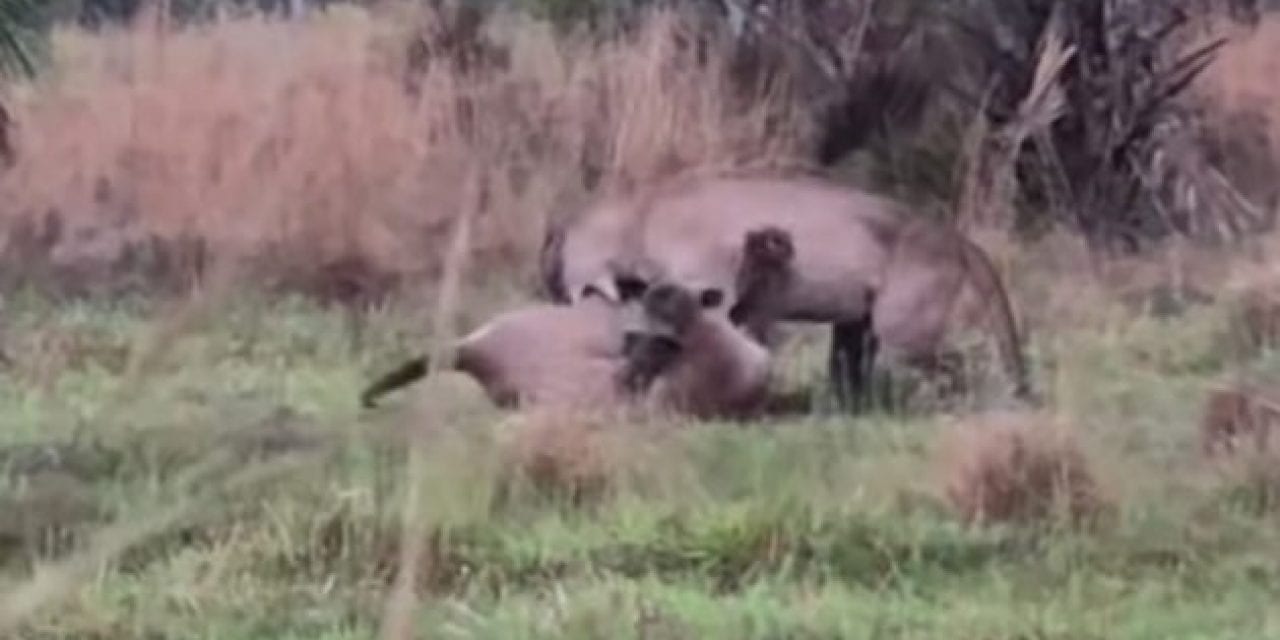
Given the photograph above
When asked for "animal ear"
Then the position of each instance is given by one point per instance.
(711, 298)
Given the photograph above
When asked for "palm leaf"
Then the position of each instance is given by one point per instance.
(19, 41)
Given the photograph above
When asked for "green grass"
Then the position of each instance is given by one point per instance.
(813, 527)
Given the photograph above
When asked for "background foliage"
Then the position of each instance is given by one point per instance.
(1102, 140)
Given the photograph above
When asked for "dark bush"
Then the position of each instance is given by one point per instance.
(1101, 142)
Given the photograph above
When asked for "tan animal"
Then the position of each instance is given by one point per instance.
(543, 354)
(659, 347)
(680, 358)
(888, 282)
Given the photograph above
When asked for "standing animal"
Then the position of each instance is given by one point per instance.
(660, 346)
(888, 282)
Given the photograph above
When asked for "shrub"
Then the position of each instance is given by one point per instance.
(1254, 319)
(1018, 468)
(1089, 131)
(309, 158)
(575, 457)
(1237, 420)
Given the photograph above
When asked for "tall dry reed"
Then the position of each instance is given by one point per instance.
(302, 143)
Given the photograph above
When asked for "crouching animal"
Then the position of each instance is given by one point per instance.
(660, 347)
(680, 358)
(888, 282)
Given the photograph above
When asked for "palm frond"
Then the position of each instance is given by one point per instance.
(19, 40)
(1108, 126)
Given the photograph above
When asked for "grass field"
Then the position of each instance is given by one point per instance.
(809, 527)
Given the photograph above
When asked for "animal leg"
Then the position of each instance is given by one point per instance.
(852, 357)
(551, 265)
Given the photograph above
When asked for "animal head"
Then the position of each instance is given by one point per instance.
(659, 319)
(768, 247)
(763, 274)
(670, 309)
(634, 281)
(682, 355)
(654, 337)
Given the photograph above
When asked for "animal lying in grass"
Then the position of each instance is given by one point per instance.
(584, 356)
(890, 283)
(659, 347)
(539, 354)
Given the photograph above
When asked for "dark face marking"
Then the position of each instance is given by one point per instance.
(648, 356)
(769, 247)
(711, 298)
(670, 305)
(630, 287)
(650, 350)
(763, 274)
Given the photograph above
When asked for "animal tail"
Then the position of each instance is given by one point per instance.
(551, 264)
(984, 275)
(402, 375)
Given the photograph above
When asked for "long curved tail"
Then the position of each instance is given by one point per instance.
(402, 375)
(985, 278)
(551, 264)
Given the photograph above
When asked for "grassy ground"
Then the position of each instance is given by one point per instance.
(216, 479)
(806, 527)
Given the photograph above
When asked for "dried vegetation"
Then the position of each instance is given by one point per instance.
(331, 149)
(1017, 468)
(1239, 432)
(334, 164)
(576, 457)
(1239, 419)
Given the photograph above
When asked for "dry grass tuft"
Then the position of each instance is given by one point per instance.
(1242, 79)
(1251, 481)
(1254, 318)
(571, 455)
(1238, 420)
(1017, 467)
